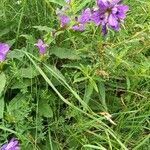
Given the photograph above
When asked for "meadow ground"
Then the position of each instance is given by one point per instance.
(88, 92)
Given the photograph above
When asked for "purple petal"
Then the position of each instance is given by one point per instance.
(123, 8)
(79, 27)
(12, 145)
(85, 16)
(41, 46)
(65, 20)
(121, 12)
(103, 4)
(4, 48)
(2, 57)
(3, 147)
(96, 18)
(114, 2)
(112, 21)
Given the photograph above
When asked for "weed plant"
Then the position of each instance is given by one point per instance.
(88, 92)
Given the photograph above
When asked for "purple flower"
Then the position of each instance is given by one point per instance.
(64, 20)
(79, 27)
(109, 14)
(4, 49)
(82, 20)
(41, 46)
(12, 145)
(85, 16)
(63, 17)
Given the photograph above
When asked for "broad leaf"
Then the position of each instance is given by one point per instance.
(15, 54)
(64, 53)
(18, 107)
(45, 109)
(43, 28)
(28, 72)
(1, 107)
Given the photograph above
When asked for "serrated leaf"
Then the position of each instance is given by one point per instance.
(64, 53)
(1, 107)
(30, 39)
(15, 54)
(45, 109)
(2, 82)
(28, 72)
(18, 107)
(26, 82)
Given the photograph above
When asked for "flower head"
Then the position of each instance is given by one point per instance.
(85, 16)
(64, 20)
(41, 46)
(63, 17)
(13, 144)
(4, 49)
(109, 14)
(78, 27)
(82, 20)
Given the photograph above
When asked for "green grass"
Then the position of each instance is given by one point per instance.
(89, 93)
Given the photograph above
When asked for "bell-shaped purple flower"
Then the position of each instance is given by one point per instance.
(78, 27)
(64, 20)
(85, 16)
(13, 144)
(4, 49)
(42, 47)
(109, 14)
(82, 20)
(63, 17)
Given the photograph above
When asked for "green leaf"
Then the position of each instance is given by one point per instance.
(2, 86)
(102, 94)
(43, 28)
(2, 82)
(93, 83)
(64, 53)
(59, 2)
(82, 4)
(45, 109)
(18, 108)
(88, 93)
(1, 107)
(15, 54)
(28, 72)
(23, 84)
(80, 79)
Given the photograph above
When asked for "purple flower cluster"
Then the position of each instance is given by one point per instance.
(82, 20)
(4, 49)
(108, 14)
(41, 46)
(13, 144)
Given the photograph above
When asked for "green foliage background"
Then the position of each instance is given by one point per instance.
(65, 101)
